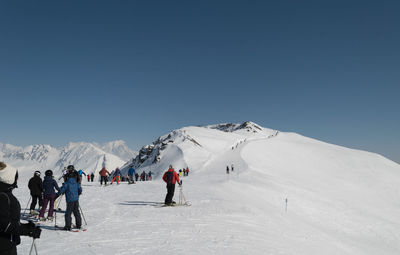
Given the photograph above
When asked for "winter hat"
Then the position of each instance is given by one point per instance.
(7, 173)
(48, 173)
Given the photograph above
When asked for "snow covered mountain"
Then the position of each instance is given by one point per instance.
(118, 148)
(288, 194)
(89, 157)
(193, 147)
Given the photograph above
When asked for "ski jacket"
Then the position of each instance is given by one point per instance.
(171, 177)
(71, 189)
(117, 172)
(9, 218)
(131, 171)
(49, 184)
(104, 172)
(35, 185)
(80, 172)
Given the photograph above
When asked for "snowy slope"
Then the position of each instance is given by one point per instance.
(194, 147)
(340, 201)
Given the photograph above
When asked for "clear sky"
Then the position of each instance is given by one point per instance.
(134, 70)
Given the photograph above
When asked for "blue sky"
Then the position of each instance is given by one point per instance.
(134, 70)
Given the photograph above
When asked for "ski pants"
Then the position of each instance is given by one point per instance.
(170, 193)
(35, 198)
(131, 179)
(115, 178)
(73, 207)
(103, 178)
(47, 199)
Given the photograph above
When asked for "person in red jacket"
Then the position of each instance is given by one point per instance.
(103, 173)
(170, 177)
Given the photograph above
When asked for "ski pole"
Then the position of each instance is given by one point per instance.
(33, 245)
(26, 208)
(286, 200)
(55, 212)
(82, 214)
(180, 194)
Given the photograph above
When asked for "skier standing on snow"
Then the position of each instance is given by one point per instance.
(136, 177)
(150, 176)
(187, 171)
(36, 187)
(170, 177)
(81, 172)
(232, 167)
(72, 171)
(131, 174)
(49, 184)
(72, 190)
(92, 177)
(10, 226)
(88, 178)
(103, 173)
(117, 174)
(227, 169)
(64, 174)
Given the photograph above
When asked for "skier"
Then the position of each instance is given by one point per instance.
(64, 174)
(131, 174)
(49, 184)
(180, 172)
(103, 173)
(92, 177)
(71, 169)
(187, 171)
(116, 175)
(36, 187)
(150, 176)
(232, 167)
(81, 172)
(227, 169)
(170, 177)
(72, 191)
(88, 178)
(10, 226)
(136, 177)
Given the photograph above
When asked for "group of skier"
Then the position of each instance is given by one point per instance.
(227, 169)
(10, 227)
(45, 192)
(132, 176)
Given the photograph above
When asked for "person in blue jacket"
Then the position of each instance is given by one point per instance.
(72, 190)
(81, 172)
(131, 174)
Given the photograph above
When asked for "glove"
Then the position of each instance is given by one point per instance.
(180, 183)
(36, 232)
(29, 229)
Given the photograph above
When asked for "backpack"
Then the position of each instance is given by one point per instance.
(169, 177)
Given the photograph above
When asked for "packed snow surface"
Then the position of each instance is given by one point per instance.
(288, 194)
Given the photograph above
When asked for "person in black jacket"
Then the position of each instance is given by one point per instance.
(10, 211)
(36, 187)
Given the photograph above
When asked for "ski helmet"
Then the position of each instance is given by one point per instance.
(71, 168)
(48, 173)
(37, 173)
